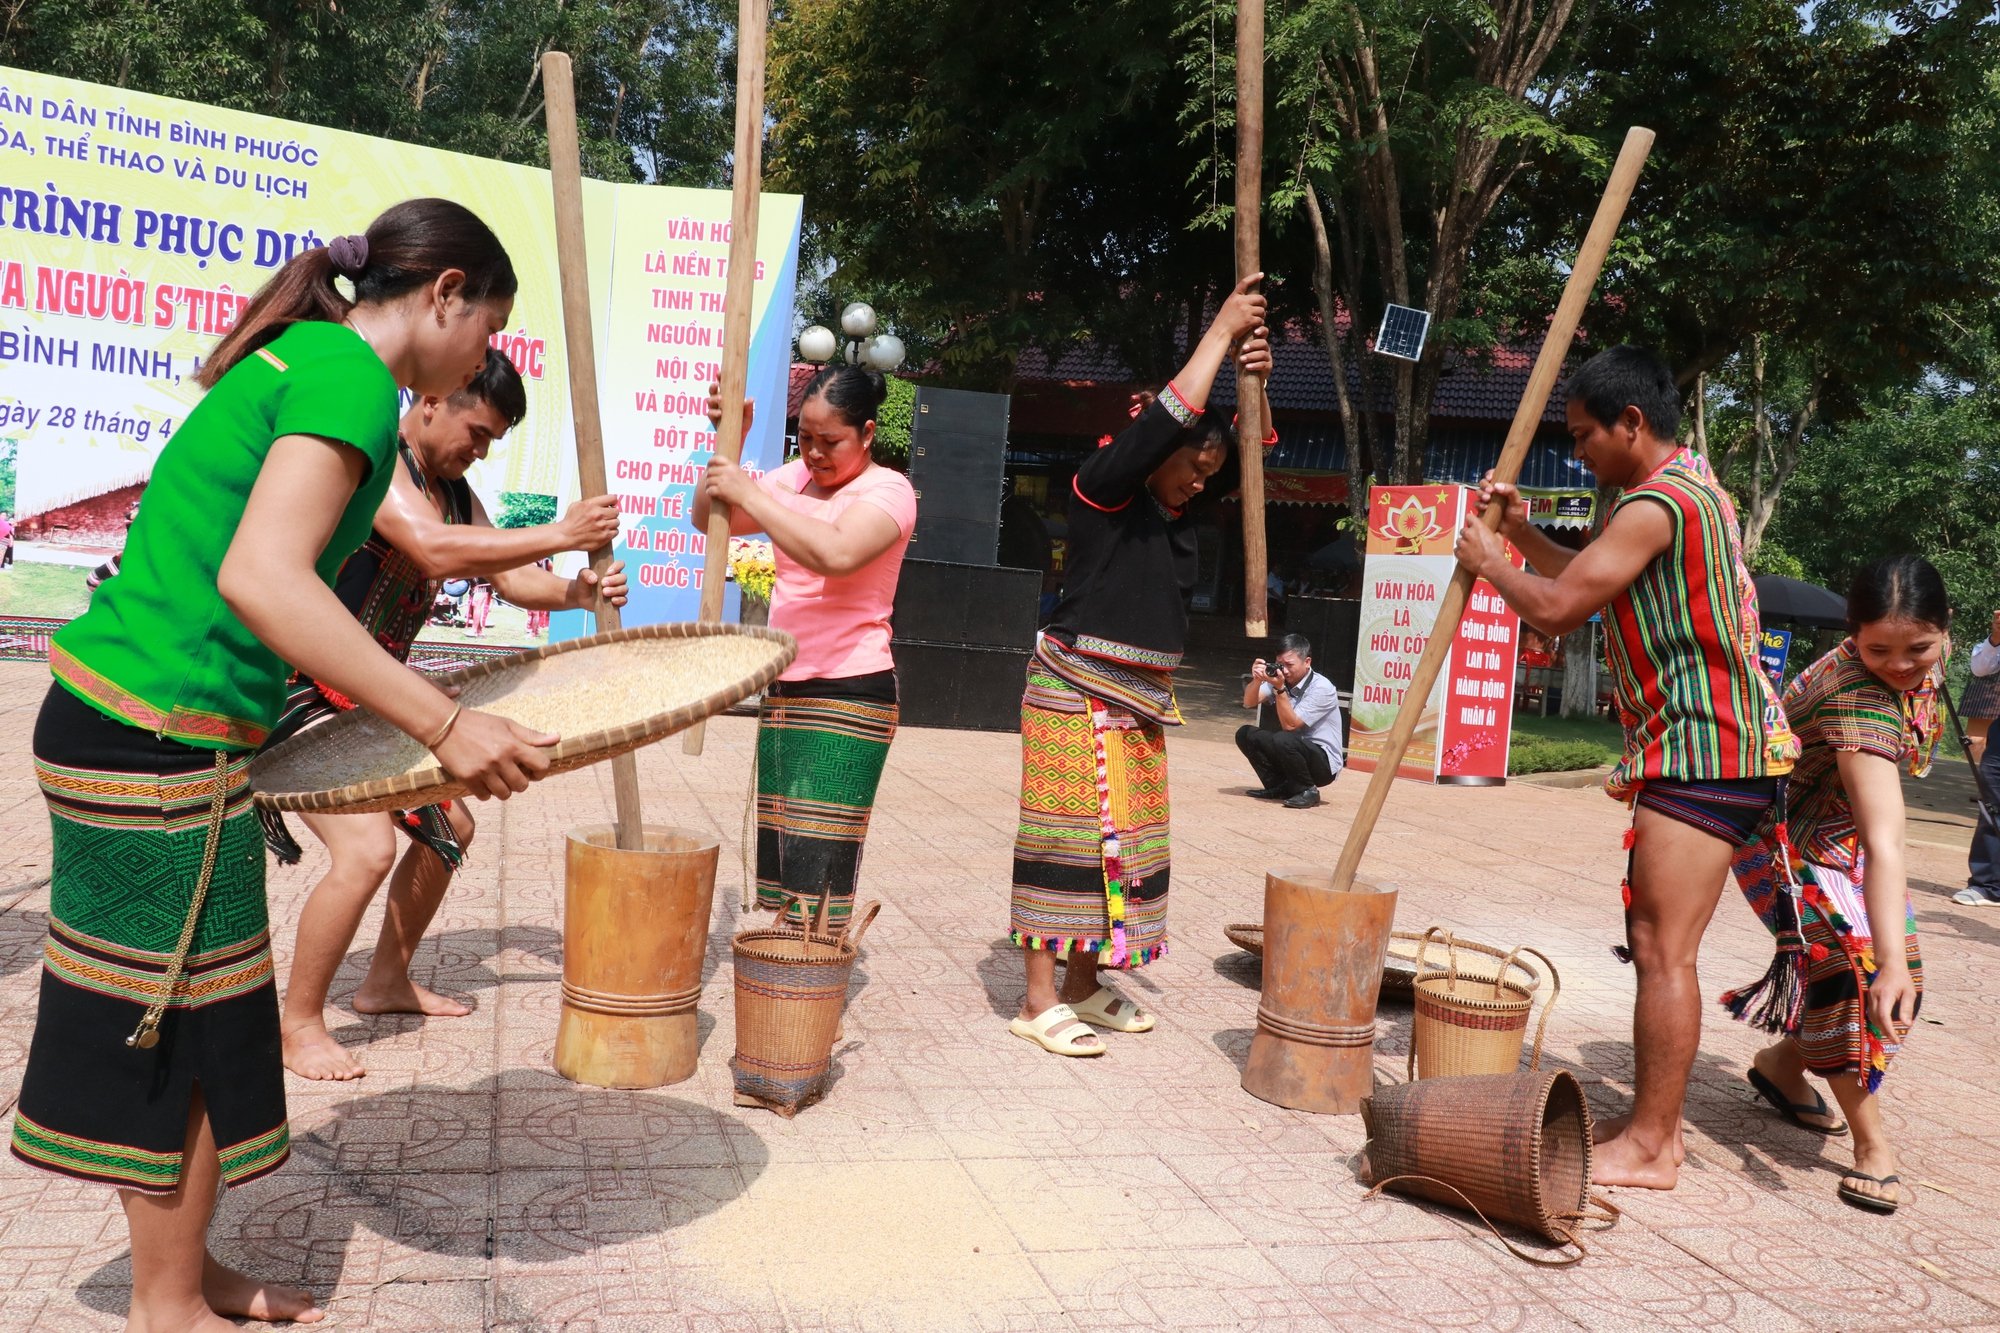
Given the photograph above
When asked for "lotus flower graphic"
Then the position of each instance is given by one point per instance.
(1410, 525)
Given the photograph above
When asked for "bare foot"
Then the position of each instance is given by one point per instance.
(199, 1320)
(405, 997)
(311, 1052)
(1602, 1131)
(238, 1295)
(1620, 1161)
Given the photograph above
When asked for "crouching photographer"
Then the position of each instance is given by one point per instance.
(1305, 753)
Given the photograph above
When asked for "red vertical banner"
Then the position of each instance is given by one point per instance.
(1478, 712)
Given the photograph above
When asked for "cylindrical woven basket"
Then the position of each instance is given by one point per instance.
(604, 695)
(1514, 1148)
(1462, 1026)
(791, 989)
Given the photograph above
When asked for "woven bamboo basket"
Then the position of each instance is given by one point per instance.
(791, 989)
(1411, 951)
(1468, 1026)
(1408, 951)
(604, 695)
(1247, 937)
(1513, 1148)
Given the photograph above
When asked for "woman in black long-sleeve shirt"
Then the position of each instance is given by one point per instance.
(1091, 856)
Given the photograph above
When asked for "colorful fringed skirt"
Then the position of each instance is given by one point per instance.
(821, 745)
(1817, 989)
(1091, 857)
(130, 814)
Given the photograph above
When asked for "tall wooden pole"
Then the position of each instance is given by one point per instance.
(738, 294)
(1548, 365)
(573, 264)
(1250, 423)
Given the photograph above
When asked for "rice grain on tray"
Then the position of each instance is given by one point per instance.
(571, 694)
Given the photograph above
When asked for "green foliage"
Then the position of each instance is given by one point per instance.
(892, 425)
(1534, 754)
(995, 177)
(1771, 558)
(1918, 470)
(524, 509)
(9, 450)
(1562, 744)
(654, 78)
(1823, 176)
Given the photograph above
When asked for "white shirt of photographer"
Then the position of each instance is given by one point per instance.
(1317, 703)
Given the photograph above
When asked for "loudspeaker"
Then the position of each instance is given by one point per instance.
(959, 686)
(988, 605)
(958, 461)
(1333, 625)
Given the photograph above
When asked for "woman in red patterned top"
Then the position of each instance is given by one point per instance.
(1705, 740)
(1862, 712)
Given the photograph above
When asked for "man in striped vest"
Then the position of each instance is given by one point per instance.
(1706, 744)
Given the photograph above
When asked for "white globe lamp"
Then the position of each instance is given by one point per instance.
(884, 351)
(818, 345)
(858, 320)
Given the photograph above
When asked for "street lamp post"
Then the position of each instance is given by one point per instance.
(865, 347)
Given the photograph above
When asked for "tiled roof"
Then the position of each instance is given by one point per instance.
(1485, 388)
(802, 378)
(1453, 454)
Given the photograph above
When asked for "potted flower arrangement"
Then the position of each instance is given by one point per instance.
(755, 571)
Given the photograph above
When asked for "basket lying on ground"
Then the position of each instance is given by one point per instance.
(1464, 1025)
(1249, 938)
(1407, 952)
(604, 695)
(1512, 1147)
(1412, 951)
(791, 989)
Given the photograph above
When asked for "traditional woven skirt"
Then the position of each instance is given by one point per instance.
(310, 704)
(821, 745)
(130, 814)
(1091, 856)
(1817, 989)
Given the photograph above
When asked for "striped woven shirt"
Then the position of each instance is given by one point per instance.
(1837, 704)
(1682, 643)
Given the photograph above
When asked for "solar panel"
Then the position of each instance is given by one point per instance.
(1402, 332)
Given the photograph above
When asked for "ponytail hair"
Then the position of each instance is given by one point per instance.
(855, 393)
(1899, 587)
(404, 249)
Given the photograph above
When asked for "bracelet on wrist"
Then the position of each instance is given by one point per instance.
(445, 730)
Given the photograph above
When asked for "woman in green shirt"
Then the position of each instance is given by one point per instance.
(154, 1066)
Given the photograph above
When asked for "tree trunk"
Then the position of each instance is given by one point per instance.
(1580, 671)
(1700, 440)
(1329, 319)
(1783, 461)
(1357, 352)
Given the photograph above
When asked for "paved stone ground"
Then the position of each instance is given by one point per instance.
(959, 1178)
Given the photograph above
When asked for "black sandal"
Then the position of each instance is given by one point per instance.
(1874, 1203)
(1796, 1112)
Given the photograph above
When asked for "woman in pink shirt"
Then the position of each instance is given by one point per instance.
(839, 523)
